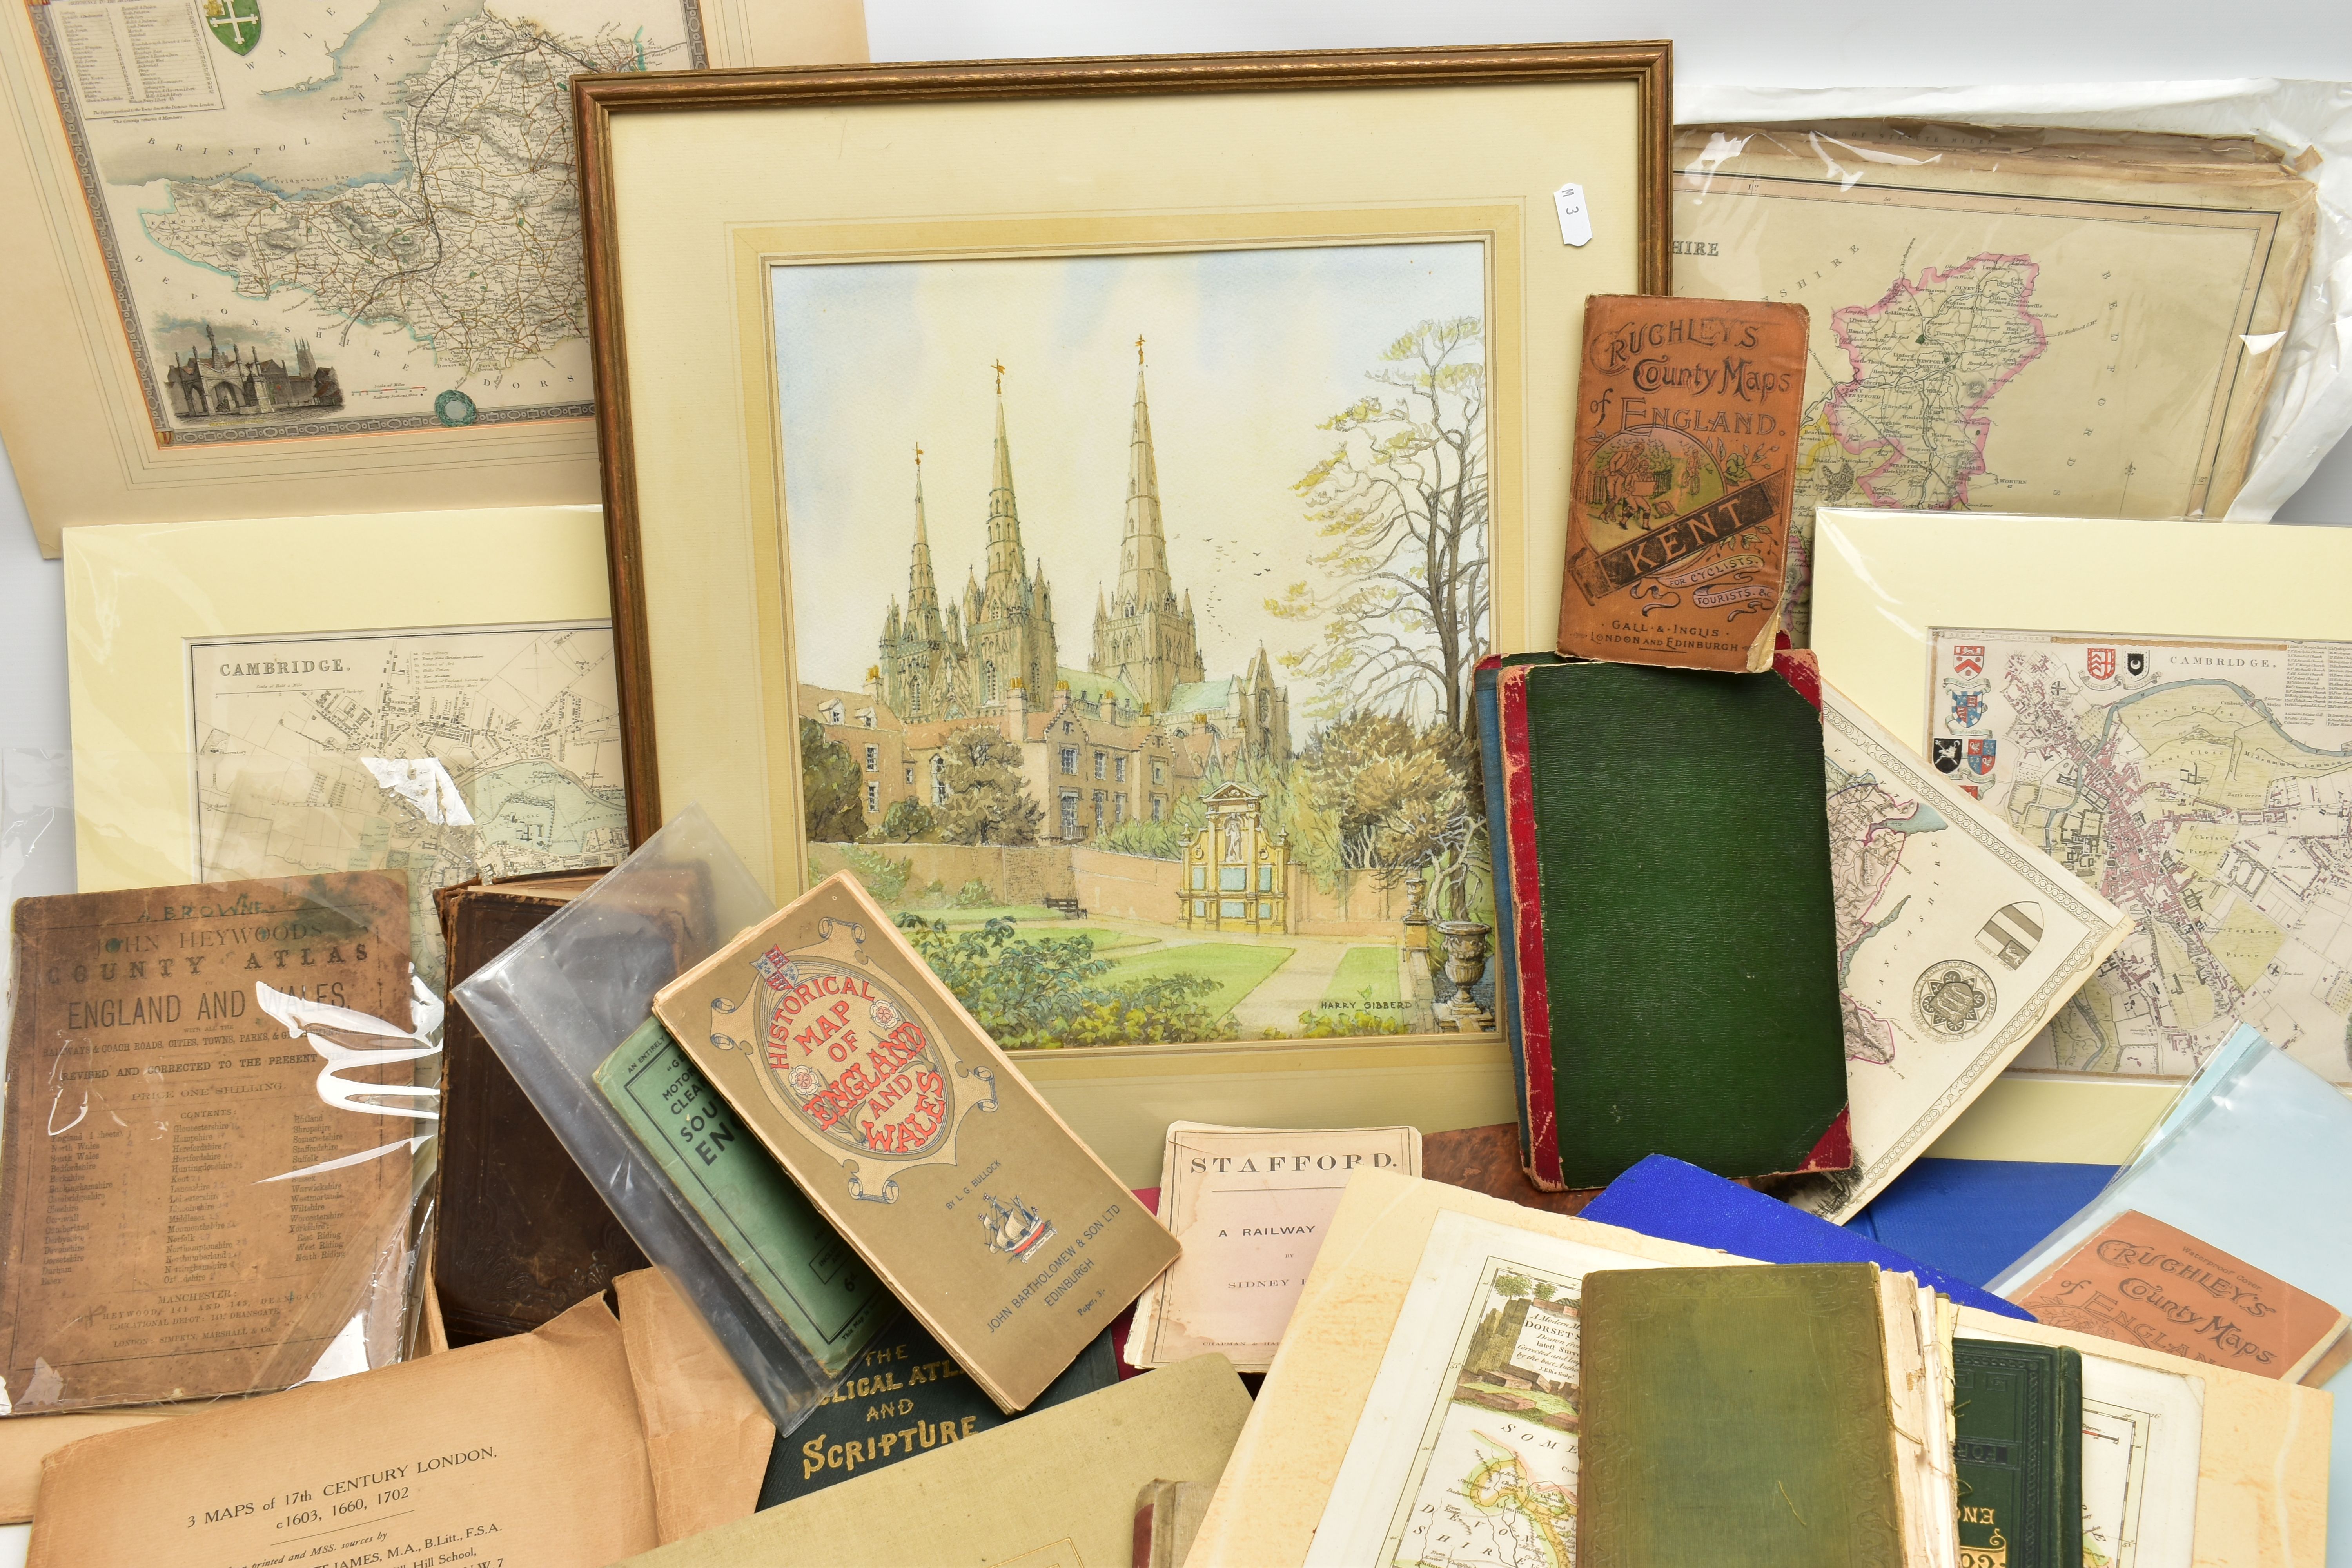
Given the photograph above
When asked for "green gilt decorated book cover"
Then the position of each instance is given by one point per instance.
(1736, 1418)
(2019, 1454)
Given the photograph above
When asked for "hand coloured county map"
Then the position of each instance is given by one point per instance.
(344, 216)
(2204, 787)
(2001, 327)
(446, 754)
(1466, 1456)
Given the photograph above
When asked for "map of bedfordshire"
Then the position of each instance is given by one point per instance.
(474, 247)
(1926, 360)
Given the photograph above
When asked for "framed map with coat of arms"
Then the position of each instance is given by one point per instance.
(2164, 709)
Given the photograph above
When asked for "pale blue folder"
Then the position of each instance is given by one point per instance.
(2256, 1158)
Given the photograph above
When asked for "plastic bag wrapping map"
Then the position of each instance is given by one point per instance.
(212, 1178)
(564, 999)
(2102, 319)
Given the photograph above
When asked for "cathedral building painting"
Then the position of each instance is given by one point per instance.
(1141, 724)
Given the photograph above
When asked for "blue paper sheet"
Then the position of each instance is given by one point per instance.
(1972, 1218)
(1664, 1197)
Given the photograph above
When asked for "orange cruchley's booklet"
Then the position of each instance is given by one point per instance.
(1686, 417)
(2142, 1282)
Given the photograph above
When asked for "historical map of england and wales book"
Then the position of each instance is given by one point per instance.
(2064, 322)
(915, 1138)
(212, 1119)
(1685, 442)
(1672, 902)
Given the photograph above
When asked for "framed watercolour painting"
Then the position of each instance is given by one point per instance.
(2165, 708)
(1072, 497)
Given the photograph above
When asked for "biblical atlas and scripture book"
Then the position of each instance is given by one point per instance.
(1673, 920)
(1687, 415)
(916, 1139)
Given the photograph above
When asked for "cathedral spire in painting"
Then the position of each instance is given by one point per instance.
(1142, 637)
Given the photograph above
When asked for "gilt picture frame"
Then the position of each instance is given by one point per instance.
(880, 352)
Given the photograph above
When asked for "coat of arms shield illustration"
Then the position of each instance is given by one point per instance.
(236, 23)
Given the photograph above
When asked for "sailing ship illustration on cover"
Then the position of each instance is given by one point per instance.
(1015, 1232)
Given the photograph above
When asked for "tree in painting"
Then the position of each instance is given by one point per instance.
(987, 802)
(1401, 506)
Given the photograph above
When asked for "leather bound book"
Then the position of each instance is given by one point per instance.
(1673, 920)
(2019, 1453)
(522, 1233)
(1737, 1418)
(1484, 707)
(1687, 413)
(1486, 1160)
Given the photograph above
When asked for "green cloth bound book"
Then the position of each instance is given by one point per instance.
(1736, 1418)
(1674, 921)
(2019, 1454)
(814, 1280)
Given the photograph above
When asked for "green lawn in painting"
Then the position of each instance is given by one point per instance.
(1238, 968)
(1365, 975)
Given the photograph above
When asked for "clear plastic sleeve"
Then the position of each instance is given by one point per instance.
(2084, 303)
(562, 1001)
(2254, 1158)
(212, 1178)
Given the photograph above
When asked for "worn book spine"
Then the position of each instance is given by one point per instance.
(1738, 1418)
(2019, 1454)
(523, 1233)
(1687, 423)
(1486, 705)
(1531, 1040)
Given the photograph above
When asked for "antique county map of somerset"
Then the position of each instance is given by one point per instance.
(2205, 787)
(2013, 338)
(328, 216)
(447, 754)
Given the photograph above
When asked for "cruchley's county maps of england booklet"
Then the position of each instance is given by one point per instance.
(916, 1139)
(1686, 438)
